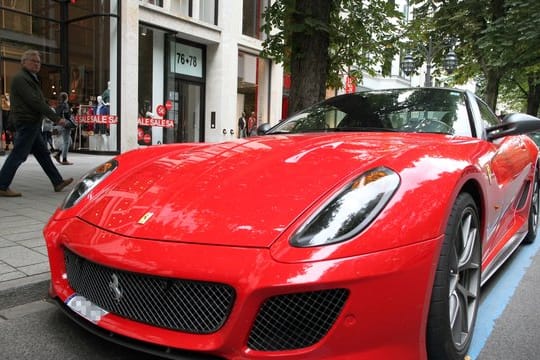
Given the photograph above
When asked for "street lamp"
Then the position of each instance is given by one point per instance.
(408, 64)
(449, 63)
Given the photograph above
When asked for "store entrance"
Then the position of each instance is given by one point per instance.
(188, 106)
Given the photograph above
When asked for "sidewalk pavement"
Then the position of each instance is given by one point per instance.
(23, 254)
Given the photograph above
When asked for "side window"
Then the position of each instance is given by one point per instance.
(488, 117)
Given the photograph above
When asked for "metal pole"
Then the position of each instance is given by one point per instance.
(429, 55)
(2, 143)
(2, 152)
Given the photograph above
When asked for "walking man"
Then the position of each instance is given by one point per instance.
(28, 108)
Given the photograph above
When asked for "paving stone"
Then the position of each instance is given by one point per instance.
(17, 256)
(12, 276)
(35, 269)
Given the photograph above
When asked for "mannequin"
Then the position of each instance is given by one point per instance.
(101, 130)
(106, 94)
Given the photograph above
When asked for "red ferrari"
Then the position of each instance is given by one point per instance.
(360, 228)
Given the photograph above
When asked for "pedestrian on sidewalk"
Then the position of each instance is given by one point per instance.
(28, 108)
(46, 132)
(64, 111)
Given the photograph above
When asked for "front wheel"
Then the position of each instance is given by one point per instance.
(456, 288)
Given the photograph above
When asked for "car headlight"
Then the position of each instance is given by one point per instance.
(350, 211)
(88, 182)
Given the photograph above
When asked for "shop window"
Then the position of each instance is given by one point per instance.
(253, 90)
(92, 74)
(146, 45)
(83, 8)
(15, 21)
(79, 59)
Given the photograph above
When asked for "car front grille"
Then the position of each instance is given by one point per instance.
(185, 305)
(294, 321)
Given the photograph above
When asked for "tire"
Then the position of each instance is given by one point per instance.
(456, 288)
(534, 212)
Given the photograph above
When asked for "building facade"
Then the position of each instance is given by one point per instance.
(145, 72)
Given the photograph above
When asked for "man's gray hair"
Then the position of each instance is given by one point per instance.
(29, 54)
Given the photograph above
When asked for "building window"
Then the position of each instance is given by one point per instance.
(154, 2)
(252, 17)
(208, 11)
(181, 7)
(203, 10)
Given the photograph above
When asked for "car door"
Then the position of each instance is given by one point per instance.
(507, 172)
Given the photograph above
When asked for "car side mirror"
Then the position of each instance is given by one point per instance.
(263, 129)
(514, 124)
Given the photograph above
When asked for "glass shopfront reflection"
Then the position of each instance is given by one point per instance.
(78, 43)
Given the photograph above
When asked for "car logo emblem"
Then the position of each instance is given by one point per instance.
(116, 290)
(145, 218)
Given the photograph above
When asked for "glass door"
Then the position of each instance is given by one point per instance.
(188, 112)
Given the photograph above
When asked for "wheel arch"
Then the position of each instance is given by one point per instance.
(475, 190)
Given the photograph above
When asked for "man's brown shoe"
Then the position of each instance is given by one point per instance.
(9, 193)
(63, 184)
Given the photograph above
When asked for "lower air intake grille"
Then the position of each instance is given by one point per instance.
(295, 321)
(191, 306)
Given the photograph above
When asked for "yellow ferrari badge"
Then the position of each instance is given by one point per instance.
(145, 218)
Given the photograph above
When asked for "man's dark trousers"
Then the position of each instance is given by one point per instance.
(28, 140)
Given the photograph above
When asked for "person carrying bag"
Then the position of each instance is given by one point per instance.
(65, 130)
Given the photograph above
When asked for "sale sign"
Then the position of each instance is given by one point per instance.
(155, 122)
(161, 110)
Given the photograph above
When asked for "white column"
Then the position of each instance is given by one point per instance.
(158, 61)
(221, 74)
(129, 74)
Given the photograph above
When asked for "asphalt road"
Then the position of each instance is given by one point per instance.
(39, 330)
(508, 319)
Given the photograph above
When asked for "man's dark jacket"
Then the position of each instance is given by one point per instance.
(28, 105)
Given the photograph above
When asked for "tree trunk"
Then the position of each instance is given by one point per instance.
(492, 88)
(533, 96)
(309, 53)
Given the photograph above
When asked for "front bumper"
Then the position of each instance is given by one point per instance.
(383, 314)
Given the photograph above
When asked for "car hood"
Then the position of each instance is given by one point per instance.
(239, 193)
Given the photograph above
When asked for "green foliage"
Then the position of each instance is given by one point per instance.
(494, 37)
(363, 35)
(515, 87)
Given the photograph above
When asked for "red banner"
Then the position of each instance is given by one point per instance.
(350, 84)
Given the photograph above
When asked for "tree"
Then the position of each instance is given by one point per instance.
(319, 41)
(520, 90)
(495, 37)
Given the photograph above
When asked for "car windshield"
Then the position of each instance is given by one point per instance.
(401, 110)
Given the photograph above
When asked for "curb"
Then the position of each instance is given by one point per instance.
(25, 290)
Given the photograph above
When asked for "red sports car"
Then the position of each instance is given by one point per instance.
(360, 228)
